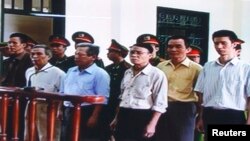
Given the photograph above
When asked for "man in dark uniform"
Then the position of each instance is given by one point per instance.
(84, 37)
(116, 53)
(154, 42)
(58, 45)
(16, 65)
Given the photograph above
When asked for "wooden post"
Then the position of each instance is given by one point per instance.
(4, 112)
(76, 122)
(51, 117)
(52, 99)
(32, 118)
(16, 113)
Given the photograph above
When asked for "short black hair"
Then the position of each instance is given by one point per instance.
(23, 37)
(225, 33)
(175, 37)
(93, 49)
(145, 45)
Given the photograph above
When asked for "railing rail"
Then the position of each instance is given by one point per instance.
(7, 93)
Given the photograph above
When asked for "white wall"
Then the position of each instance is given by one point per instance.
(93, 17)
(124, 20)
(244, 31)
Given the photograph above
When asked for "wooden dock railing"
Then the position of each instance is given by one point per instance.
(14, 94)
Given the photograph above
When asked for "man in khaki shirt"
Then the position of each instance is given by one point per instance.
(178, 123)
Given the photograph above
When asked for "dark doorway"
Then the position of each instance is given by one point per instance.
(192, 24)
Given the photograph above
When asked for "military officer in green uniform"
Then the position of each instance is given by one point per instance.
(154, 42)
(58, 45)
(116, 70)
(84, 37)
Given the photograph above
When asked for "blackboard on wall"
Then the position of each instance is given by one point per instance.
(192, 24)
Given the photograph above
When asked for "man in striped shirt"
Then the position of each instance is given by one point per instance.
(223, 85)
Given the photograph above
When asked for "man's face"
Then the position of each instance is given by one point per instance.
(39, 58)
(139, 55)
(224, 46)
(112, 55)
(28, 48)
(57, 49)
(15, 45)
(194, 57)
(177, 49)
(155, 50)
(82, 59)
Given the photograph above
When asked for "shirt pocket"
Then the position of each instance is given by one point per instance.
(86, 85)
(235, 86)
(142, 92)
(185, 85)
(49, 88)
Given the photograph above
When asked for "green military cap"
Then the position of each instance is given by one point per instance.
(118, 47)
(31, 41)
(82, 37)
(147, 39)
(58, 39)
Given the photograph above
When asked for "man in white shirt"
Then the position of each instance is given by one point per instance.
(224, 85)
(143, 97)
(43, 76)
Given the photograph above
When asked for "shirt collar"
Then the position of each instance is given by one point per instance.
(145, 71)
(20, 56)
(234, 61)
(186, 62)
(45, 68)
(90, 69)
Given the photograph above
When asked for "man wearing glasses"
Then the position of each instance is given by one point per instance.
(143, 97)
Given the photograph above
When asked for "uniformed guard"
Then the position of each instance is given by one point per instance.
(84, 37)
(195, 53)
(58, 45)
(154, 42)
(238, 47)
(30, 44)
(116, 70)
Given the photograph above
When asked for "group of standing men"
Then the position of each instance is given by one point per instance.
(152, 99)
